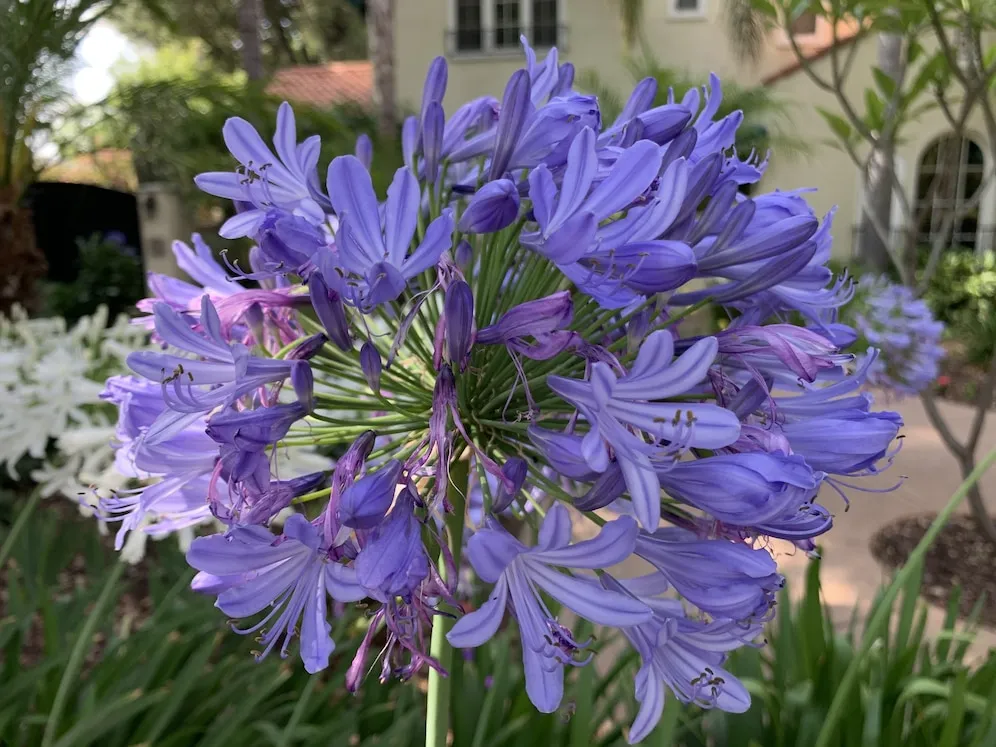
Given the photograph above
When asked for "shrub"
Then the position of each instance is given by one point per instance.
(962, 294)
(110, 274)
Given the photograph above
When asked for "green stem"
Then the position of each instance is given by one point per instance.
(19, 524)
(437, 723)
(80, 648)
(880, 620)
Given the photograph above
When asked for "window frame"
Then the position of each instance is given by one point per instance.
(489, 46)
(697, 13)
(929, 226)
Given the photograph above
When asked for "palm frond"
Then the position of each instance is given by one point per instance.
(745, 29)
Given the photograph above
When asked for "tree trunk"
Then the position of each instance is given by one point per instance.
(380, 40)
(252, 52)
(872, 249)
(979, 511)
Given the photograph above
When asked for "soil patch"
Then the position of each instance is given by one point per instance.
(961, 558)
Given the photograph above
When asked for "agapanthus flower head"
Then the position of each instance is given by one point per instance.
(501, 336)
(903, 329)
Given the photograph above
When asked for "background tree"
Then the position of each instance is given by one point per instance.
(38, 39)
(291, 32)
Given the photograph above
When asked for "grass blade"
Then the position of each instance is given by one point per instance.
(80, 648)
(880, 619)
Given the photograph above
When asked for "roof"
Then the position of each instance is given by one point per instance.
(323, 85)
(813, 52)
(110, 167)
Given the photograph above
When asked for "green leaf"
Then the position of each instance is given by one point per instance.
(838, 125)
(874, 111)
(951, 736)
(884, 83)
(86, 731)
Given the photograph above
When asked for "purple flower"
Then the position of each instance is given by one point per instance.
(610, 404)
(287, 180)
(251, 571)
(374, 252)
(724, 579)
(780, 350)
(227, 370)
(393, 561)
(493, 207)
(904, 331)
(519, 573)
(839, 434)
(365, 503)
(683, 655)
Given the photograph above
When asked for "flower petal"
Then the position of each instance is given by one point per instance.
(477, 627)
(555, 531)
(400, 214)
(589, 599)
(351, 192)
(613, 544)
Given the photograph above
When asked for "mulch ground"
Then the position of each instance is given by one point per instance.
(961, 558)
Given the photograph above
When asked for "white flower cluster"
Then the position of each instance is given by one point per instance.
(51, 377)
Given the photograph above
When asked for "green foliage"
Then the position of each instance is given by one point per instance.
(110, 274)
(962, 294)
(139, 659)
(764, 115)
(302, 32)
(912, 691)
(159, 664)
(38, 39)
(173, 128)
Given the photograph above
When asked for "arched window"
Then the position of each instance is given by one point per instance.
(949, 178)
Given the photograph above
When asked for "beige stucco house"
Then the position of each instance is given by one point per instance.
(480, 39)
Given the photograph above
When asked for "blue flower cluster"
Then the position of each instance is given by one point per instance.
(517, 310)
(903, 329)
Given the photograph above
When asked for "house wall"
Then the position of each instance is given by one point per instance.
(593, 41)
(831, 170)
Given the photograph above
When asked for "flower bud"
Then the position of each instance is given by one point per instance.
(463, 255)
(254, 318)
(459, 310)
(303, 382)
(432, 139)
(515, 469)
(307, 348)
(364, 504)
(371, 365)
(609, 486)
(531, 318)
(330, 310)
(492, 208)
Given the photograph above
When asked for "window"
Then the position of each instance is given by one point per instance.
(544, 23)
(804, 25)
(693, 8)
(469, 30)
(506, 23)
(950, 176)
(497, 25)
